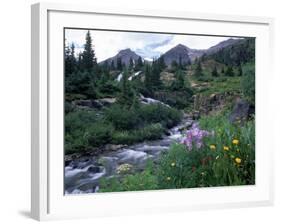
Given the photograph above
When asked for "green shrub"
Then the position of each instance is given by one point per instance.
(221, 79)
(226, 169)
(99, 134)
(76, 123)
(179, 99)
(68, 107)
(205, 79)
(181, 168)
(122, 118)
(75, 142)
(226, 158)
(149, 132)
(123, 137)
(145, 180)
(157, 113)
(248, 82)
(79, 119)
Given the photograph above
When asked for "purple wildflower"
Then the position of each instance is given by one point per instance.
(194, 136)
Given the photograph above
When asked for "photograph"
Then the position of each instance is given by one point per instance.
(150, 111)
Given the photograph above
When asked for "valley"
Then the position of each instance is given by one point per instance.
(170, 122)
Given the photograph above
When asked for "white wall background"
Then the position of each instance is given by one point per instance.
(15, 110)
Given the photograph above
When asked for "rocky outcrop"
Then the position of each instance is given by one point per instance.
(112, 147)
(205, 104)
(241, 112)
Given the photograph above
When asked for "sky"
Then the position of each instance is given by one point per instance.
(148, 45)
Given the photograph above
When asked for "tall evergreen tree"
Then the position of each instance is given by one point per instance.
(139, 63)
(162, 63)
(119, 64)
(229, 71)
(180, 63)
(80, 62)
(88, 55)
(147, 80)
(215, 72)
(70, 60)
(126, 97)
(112, 66)
(131, 64)
(198, 70)
(240, 71)
(174, 64)
(179, 82)
(155, 75)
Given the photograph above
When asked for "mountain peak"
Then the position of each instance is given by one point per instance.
(126, 50)
(222, 44)
(125, 55)
(177, 53)
(181, 46)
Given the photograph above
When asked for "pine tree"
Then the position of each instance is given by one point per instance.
(119, 64)
(162, 63)
(155, 75)
(131, 64)
(198, 70)
(70, 60)
(147, 80)
(174, 64)
(80, 62)
(139, 63)
(240, 71)
(180, 63)
(179, 83)
(126, 97)
(112, 66)
(215, 72)
(67, 60)
(88, 55)
(229, 71)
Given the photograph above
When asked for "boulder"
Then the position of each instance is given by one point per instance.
(241, 111)
(195, 115)
(107, 101)
(94, 169)
(112, 147)
(84, 103)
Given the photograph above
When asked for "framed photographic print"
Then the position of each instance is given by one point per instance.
(148, 111)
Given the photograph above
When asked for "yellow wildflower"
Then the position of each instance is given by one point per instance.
(213, 147)
(173, 164)
(235, 141)
(225, 148)
(238, 160)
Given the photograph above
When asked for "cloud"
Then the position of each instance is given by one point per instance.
(147, 45)
(148, 51)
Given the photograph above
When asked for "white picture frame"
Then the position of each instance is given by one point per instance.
(48, 201)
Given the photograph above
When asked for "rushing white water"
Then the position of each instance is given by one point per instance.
(134, 75)
(70, 172)
(83, 175)
(147, 100)
(119, 77)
